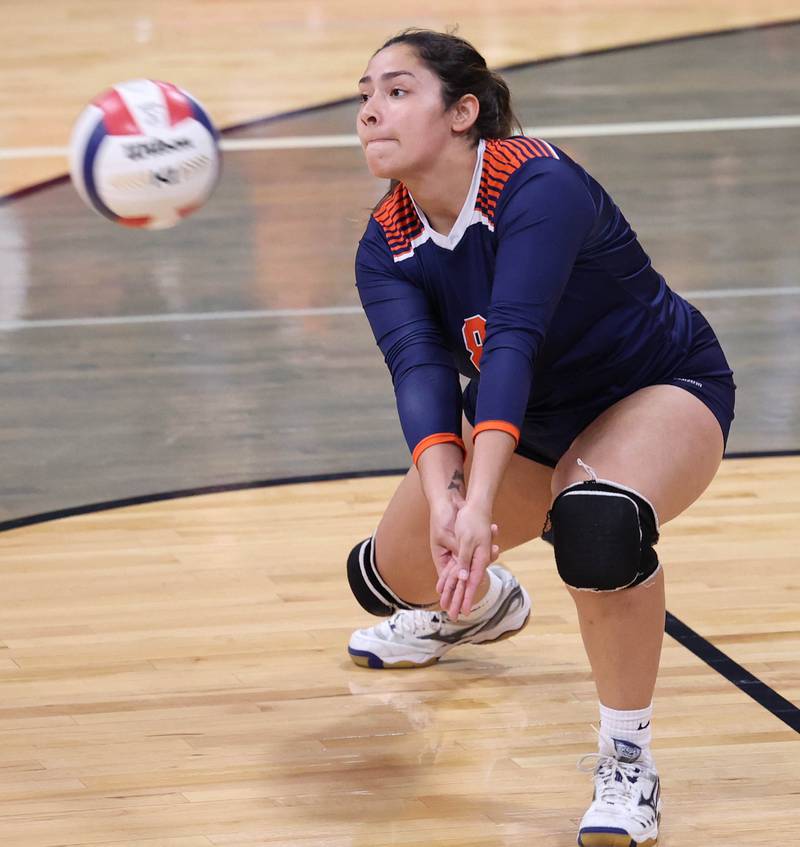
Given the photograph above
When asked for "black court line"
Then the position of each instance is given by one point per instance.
(718, 661)
(751, 685)
(516, 66)
(761, 454)
(141, 499)
(222, 488)
(35, 188)
(654, 42)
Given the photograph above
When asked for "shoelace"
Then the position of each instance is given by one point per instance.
(617, 781)
(416, 622)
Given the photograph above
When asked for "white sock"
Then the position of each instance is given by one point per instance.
(624, 733)
(488, 600)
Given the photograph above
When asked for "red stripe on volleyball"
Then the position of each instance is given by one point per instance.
(178, 104)
(116, 117)
(137, 223)
(187, 210)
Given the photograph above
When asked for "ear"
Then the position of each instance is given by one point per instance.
(464, 114)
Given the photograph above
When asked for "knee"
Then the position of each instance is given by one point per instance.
(603, 534)
(367, 585)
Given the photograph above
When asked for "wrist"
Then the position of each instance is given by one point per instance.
(480, 500)
(445, 501)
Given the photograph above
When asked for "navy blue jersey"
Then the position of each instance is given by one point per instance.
(541, 289)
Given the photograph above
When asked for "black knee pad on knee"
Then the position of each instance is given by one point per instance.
(372, 593)
(603, 535)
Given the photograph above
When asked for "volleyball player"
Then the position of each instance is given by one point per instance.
(598, 401)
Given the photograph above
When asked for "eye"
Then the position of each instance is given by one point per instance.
(396, 91)
(363, 97)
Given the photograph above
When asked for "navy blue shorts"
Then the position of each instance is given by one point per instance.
(704, 372)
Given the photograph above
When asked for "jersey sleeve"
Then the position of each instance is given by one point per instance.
(424, 375)
(540, 227)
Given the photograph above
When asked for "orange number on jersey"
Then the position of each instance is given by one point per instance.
(474, 332)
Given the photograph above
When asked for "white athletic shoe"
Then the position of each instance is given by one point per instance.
(417, 638)
(626, 806)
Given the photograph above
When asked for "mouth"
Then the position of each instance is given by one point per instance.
(379, 140)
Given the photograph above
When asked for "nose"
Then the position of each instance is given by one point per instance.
(369, 113)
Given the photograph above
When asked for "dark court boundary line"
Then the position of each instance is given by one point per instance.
(222, 488)
(745, 681)
(179, 494)
(516, 66)
(718, 661)
(747, 454)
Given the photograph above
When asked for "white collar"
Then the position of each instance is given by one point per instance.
(465, 216)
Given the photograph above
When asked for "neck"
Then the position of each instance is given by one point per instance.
(441, 191)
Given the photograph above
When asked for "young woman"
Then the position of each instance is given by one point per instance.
(598, 399)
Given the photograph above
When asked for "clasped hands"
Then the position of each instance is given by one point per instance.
(463, 545)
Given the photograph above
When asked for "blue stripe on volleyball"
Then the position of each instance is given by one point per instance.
(89, 155)
(200, 115)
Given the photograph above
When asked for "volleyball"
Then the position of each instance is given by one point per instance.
(144, 154)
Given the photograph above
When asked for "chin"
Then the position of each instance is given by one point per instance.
(382, 172)
(381, 168)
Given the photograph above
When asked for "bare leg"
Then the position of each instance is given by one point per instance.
(403, 552)
(666, 444)
(624, 668)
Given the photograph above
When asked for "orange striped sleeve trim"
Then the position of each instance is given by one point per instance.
(437, 438)
(500, 160)
(503, 426)
(399, 220)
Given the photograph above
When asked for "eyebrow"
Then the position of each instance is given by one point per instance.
(387, 75)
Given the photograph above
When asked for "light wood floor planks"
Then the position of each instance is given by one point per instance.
(175, 674)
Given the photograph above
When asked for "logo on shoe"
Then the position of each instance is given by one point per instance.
(626, 751)
(652, 800)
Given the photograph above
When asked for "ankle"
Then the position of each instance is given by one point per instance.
(626, 734)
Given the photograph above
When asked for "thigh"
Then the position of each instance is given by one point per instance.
(661, 441)
(520, 509)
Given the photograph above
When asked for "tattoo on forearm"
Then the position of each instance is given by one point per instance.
(457, 482)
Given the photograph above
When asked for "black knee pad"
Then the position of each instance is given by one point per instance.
(603, 535)
(372, 593)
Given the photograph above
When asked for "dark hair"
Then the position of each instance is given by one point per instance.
(462, 70)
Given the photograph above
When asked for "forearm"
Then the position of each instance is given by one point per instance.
(441, 470)
(492, 453)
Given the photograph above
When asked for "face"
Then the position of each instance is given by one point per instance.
(402, 123)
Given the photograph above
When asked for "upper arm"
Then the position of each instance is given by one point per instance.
(399, 313)
(408, 333)
(540, 230)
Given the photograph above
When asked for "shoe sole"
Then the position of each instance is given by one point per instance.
(596, 837)
(366, 659)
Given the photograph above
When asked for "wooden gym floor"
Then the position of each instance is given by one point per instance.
(173, 670)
